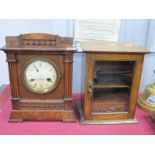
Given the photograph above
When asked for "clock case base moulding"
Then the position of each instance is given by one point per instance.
(42, 115)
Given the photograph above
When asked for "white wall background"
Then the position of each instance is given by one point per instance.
(131, 31)
(142, 32)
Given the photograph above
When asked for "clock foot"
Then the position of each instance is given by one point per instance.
(15, 120)
(69, 117)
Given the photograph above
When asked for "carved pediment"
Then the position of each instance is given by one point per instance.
(41, 40)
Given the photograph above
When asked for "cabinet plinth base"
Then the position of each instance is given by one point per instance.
(42, 115)
(120, 121)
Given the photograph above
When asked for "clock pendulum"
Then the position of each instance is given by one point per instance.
(40, 70)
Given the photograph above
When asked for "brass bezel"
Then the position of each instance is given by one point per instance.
(50, 62)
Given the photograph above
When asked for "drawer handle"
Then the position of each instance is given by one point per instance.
(113, 109)
(104, 109)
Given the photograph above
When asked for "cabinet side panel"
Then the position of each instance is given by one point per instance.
(135, 85)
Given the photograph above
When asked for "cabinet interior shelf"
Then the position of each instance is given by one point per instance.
(111, 86)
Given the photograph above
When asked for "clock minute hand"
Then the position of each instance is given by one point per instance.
(36, 68)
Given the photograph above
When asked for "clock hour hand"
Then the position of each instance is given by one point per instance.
(31, 80)
(49, 80)
(36, 68)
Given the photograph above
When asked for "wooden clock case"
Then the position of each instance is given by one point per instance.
(27, 105)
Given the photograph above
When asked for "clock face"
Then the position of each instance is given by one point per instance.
(41, 76)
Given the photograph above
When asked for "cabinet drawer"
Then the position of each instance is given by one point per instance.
(109, 108)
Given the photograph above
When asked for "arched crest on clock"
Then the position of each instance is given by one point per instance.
(42, 40)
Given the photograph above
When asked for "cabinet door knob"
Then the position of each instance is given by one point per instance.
(90, 89)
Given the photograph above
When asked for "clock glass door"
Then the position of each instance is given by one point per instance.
(112, 82)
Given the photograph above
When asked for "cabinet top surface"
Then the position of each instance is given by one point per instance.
(105, 46)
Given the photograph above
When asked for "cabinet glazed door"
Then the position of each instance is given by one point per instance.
(111, 85)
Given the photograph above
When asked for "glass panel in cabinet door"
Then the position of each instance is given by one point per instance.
(112, 86)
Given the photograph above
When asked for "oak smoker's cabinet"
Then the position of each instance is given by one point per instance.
(112, 77)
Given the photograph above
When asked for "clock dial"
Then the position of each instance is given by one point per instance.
(41, 76)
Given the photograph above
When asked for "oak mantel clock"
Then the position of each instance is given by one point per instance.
(40, 69)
